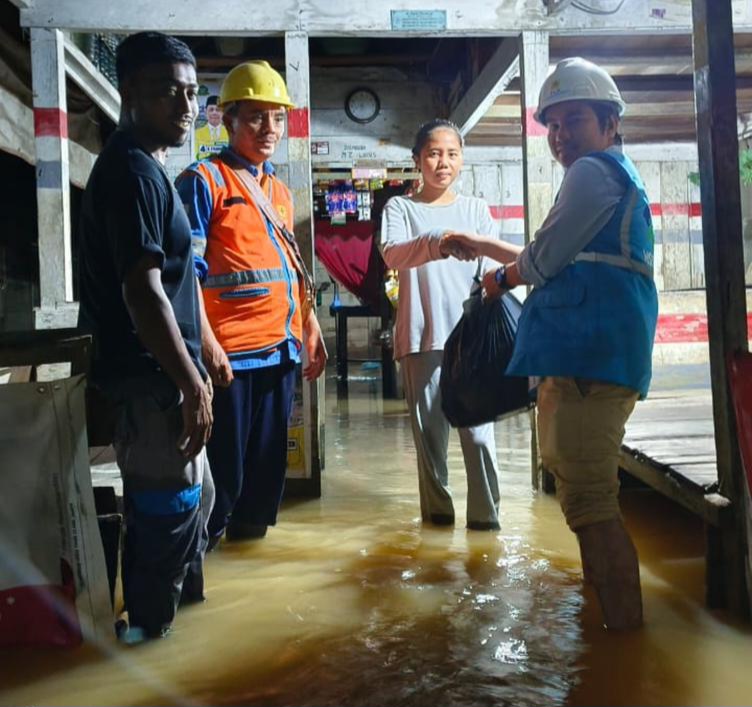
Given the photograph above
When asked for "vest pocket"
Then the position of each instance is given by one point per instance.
(245, 292)
(231, 201)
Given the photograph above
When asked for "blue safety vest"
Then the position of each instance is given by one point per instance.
(596, 319)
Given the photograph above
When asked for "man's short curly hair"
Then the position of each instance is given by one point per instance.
(144, 48)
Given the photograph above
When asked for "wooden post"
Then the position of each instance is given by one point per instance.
(718, 148)
(537, 167)
(53, 182)
(298, 80)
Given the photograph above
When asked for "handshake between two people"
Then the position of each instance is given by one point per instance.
(463, 246)
(469, 246)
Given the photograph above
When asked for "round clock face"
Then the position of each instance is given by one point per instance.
(362, 105)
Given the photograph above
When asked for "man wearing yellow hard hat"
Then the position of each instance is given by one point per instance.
(586, 331)
(258, 320)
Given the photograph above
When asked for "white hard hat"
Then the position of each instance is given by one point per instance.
(577, 79)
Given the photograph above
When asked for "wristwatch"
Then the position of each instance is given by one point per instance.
(501, 277)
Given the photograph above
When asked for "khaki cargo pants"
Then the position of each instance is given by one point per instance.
(581, 428)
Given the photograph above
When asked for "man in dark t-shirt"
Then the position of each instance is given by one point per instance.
(139, 299)
(130, 210)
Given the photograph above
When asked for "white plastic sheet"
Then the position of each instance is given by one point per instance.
(53, 580)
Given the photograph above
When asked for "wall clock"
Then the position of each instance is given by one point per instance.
(362, 105)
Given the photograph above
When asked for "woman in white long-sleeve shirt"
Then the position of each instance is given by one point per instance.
(432, 289)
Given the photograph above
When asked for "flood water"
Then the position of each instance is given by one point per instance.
(350, 601)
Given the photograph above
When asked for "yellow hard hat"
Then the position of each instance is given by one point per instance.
(254, 81)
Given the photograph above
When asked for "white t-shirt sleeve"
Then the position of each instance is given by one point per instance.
(399, 247)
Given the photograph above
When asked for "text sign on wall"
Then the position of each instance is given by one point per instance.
(419, 20)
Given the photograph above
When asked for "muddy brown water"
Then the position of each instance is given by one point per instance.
(350, 601)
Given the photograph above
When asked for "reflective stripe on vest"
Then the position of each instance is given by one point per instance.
(252, 292)
(625, 260)
(247, 277)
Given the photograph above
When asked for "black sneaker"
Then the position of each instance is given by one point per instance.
(442, 519)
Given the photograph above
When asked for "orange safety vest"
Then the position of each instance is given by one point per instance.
(252, 293)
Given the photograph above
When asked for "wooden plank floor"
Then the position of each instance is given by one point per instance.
(676, 430)
(670, 445)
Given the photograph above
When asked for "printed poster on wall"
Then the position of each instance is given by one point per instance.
(296, 447)
(209, 134)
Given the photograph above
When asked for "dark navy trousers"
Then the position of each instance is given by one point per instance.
(248, 445)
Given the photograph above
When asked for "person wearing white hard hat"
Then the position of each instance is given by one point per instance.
(586, 331)
(258, 299)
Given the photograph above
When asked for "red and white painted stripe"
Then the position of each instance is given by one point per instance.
(533, 127)
(686, 328)
(298, 123)
(51, 144)
(50, 109)
(52, 168)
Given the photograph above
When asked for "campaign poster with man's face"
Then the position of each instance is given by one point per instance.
(210, 135)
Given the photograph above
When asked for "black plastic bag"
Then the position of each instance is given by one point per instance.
(474, 389)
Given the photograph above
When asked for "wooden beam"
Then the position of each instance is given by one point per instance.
(538, 195)
(668, 63)
(92, 82)
(711, 507)
(493, 79)
(35, 348)
(637, 110)
(52, 172)
(652, 116)
(227, 62)
(537, 172)
(18, 138)
(298, 79)
(718, 150)
(486, 141)
(324, 18)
